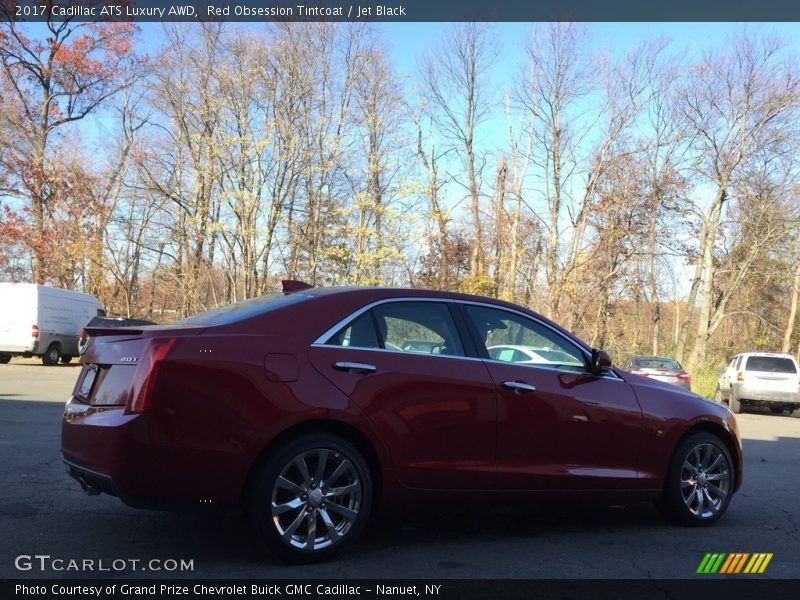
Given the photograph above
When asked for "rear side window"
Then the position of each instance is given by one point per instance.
(360, 333)
(420, 327)
(770, 364)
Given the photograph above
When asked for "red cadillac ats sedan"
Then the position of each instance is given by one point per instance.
(309, 408)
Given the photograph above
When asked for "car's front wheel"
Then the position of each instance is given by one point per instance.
(700, 481)
(5, 359)
(312, 498)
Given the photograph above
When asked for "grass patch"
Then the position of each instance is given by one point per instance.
(704, 380)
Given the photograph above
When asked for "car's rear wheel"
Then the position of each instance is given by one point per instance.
(735, 404)
(776, 410)
(50, 358)
(5, 359)
(312, 498)
(700, 481)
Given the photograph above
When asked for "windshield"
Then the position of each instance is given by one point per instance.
(657, 363)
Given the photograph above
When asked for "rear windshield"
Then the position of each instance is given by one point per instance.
(106, 322)
(657, 363)
(770, 364)
(241, 310)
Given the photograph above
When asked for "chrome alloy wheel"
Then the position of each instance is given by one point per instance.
(316, 499)
(705, 480)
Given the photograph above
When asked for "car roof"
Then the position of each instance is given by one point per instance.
(773, 354)
(390, 292)
(369, 295)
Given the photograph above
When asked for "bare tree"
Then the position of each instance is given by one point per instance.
(736, 103)
(455, 80)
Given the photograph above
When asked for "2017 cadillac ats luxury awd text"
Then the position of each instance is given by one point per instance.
(311, 406)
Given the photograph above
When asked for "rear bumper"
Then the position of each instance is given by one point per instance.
(124, 455)
(757, 395)
(92, 483)
(19, 348)
(673, 381)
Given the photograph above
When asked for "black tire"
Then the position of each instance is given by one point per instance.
(5, 359)
(677, 501)
(718, 396)
(52, 356)
(776, 410)
(308, 500)
(735, 404)
(65, 360)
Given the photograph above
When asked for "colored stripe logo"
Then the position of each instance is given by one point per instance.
(736, 562)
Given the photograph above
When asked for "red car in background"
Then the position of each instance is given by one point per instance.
(311, 407)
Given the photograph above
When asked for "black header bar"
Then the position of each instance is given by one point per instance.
(400, 10)
(409, 589)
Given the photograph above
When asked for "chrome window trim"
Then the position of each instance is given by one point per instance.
(321, 341)
(399, 352)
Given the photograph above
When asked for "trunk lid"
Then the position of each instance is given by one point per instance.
(118, 362)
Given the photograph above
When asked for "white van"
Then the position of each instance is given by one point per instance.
(43, 321)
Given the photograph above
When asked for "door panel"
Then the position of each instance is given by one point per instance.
(576, 431)
(435, 413)
(559, 427)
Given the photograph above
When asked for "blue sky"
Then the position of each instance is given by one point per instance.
(409, 40)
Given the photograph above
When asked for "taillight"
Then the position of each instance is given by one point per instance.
(684, 377)
(35, 331)
(144, 381)
(642, 373)
(740, 376)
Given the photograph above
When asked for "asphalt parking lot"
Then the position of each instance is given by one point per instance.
(43, 512)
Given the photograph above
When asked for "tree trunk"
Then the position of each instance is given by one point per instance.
(787, 335)
(698, 354)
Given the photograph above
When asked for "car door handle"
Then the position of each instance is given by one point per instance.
(346, 365)
(519, 386)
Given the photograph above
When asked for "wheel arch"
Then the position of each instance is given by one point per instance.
(723, 434)
(330, 426)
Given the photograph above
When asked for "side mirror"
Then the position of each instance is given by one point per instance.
(601, 361)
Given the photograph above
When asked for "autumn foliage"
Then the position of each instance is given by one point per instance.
(644, 200)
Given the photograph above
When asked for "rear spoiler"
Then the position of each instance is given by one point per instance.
(99, 331)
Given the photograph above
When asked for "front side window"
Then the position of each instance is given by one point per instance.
(420, 327)
(510, 337)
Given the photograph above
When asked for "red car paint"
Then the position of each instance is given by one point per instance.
(228, 393)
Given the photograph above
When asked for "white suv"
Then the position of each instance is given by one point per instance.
(761, 379)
